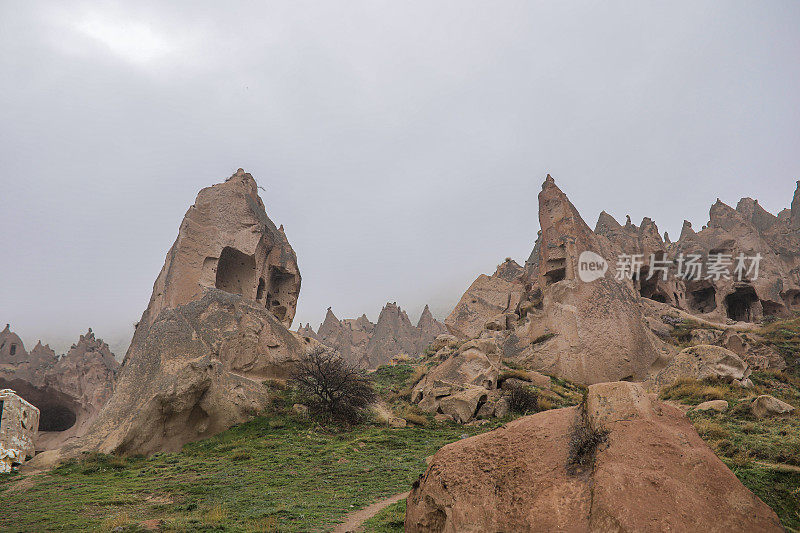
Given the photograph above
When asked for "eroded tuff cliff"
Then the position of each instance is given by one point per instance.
(550, 320)
(69, 391)
(214, 330)
(370, 345)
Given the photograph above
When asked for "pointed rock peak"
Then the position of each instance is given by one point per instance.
(549, 179)
(794, 219)
(666, 238)
(330, 316)
(7, 329)
(628, 220)
(240, 174)
(606, 224)
(687, 231)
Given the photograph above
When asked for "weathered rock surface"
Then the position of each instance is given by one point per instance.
(652, 473)
(547, 317)
(587, 332)
(226, 241)
(766, 405)
(69, 392)
(487, 297)
(369, 345)
(701, 362)
(196, 371)
(713, 405)
(215, 329)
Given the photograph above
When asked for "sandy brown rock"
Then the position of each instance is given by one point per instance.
(767, 405)
(227, 241)
(587, 332)
(369, 345)
(215, 329)
(196, 371)
(487, 297)
(517, 478)
(713, 405)
(701, 362)
(69, 392)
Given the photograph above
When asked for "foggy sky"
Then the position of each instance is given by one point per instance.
(401, 144)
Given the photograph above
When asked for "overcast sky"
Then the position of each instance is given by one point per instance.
(401, 144)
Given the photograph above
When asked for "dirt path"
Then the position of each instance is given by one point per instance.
(779, 466)
(353, 521)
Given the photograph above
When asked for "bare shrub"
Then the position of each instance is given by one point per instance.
(333, 388)
(521, 399)
(584, 440)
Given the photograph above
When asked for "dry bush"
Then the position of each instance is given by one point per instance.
(584, 440)
(521, 399)
(333, 388)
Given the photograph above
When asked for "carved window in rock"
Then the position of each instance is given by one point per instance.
(12, 349)
(236, 272)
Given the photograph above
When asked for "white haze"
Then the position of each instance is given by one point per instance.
(401, 144)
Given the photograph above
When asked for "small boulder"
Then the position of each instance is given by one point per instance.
(714, 405)
(501, 408)
(444, 341)
(766, 405)
(397, 422)
(704, 336)
(463, 405)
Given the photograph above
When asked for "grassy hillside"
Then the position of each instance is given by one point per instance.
(270, 474)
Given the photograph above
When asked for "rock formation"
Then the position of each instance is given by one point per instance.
(226, 241)
(645, 469)
(549, 318)
(69, 391)
(487, 297)
(370, 345)
(215, 329)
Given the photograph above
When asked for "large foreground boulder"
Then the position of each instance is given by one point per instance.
(622, 463)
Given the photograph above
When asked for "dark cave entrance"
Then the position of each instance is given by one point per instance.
(279, 293)
(702, 297)
(556, 270)
(739, 304)
(56, 418)
(235, 271)
(648, 288)
(57, 411)
(260, 289)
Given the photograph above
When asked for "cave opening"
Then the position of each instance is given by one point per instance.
(739, 304)
(771, 308)
(57, 411)
(260, 289)
(235, 271)
(56, 417)
(703, 299)
(556, 270)
(279, 294)
(648, 288)
(792, 299)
